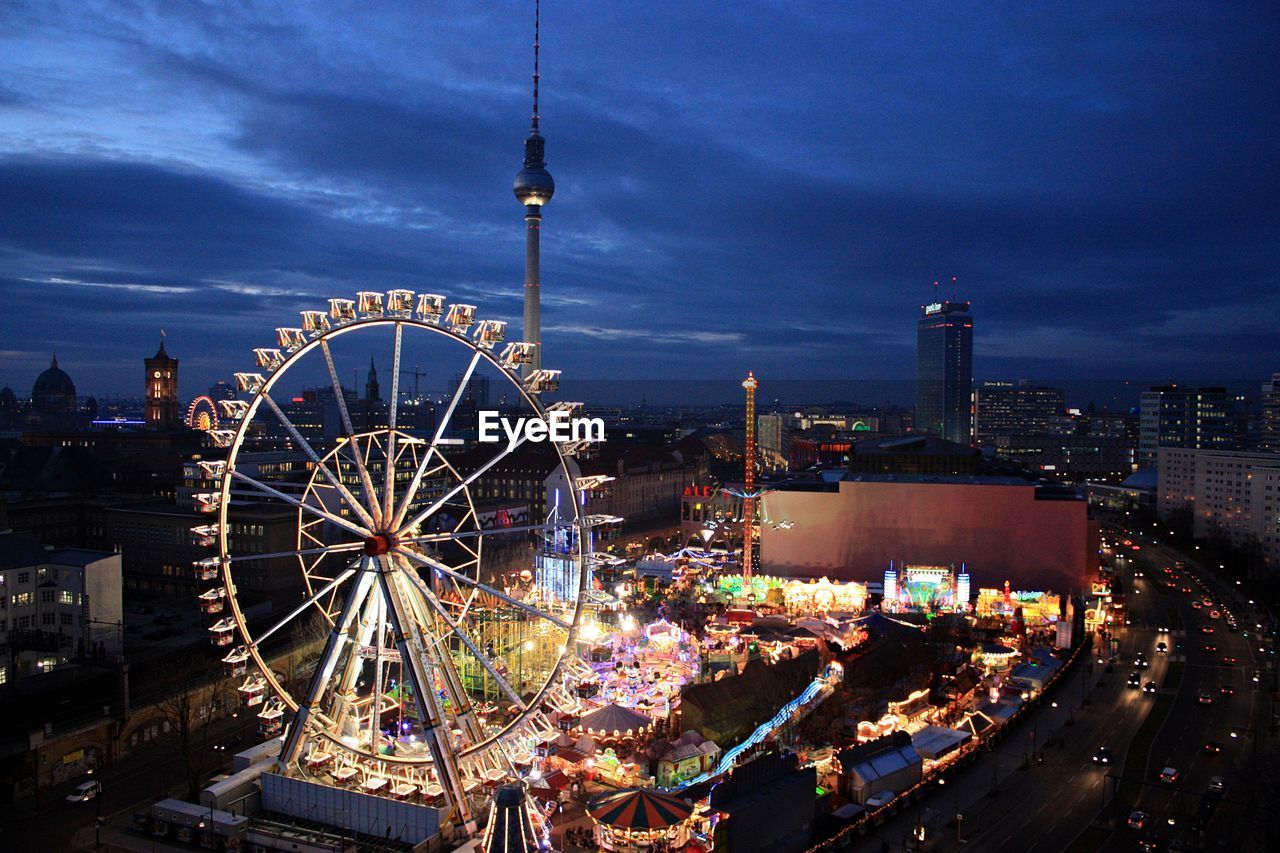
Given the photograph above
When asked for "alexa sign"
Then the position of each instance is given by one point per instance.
(559, 427)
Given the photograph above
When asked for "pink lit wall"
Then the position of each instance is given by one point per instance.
(1000, 531)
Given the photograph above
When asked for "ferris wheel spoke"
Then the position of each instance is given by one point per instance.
(289, 499)
(462, 484)
(388, 488)
(306, 448)
(433, 448)
(501, 596)
(458, 631)
(470, 534)
(371, 497)
(300, 552)
(324, 590)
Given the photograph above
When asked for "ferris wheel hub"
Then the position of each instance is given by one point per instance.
(376, 546)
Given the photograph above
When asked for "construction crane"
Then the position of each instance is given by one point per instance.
(415, 373)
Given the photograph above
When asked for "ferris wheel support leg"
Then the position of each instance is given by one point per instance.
(324, 668)
(415, 660)
(466, 641)
(351, 672)
(464, 710)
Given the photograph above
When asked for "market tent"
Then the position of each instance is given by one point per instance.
(639, 808)
(615, 718)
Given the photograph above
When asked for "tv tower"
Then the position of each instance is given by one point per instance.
(749, 487)
(534, 188)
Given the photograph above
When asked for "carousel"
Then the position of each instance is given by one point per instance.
(640, 819)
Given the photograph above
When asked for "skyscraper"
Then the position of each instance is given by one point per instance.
(1196, 418)
(1017, 408)
(944, 371)
(162, 390)
(534, 188)
(1270, 432)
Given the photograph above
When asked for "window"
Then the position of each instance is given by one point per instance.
(22, 599)
(24, 577)
(65, 597)
(48, 618)
(46, 596)
(47, 664)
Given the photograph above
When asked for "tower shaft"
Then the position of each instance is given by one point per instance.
(532, 332)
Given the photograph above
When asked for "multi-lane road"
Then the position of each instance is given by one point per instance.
(1069, 801)
(1217, 701)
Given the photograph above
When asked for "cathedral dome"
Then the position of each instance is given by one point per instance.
(53, 391)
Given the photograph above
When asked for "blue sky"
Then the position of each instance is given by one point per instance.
(771, 186)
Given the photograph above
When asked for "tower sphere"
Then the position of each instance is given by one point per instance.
(534, 184)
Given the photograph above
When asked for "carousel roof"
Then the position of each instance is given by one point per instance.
(639, 808)
(615, 718)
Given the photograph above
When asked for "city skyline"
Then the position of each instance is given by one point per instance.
(211, 175)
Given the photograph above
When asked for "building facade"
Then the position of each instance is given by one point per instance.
(1196, 418)
(944, 371)
(57, 606)
(1017, 408)
(1234, 495)
(1035, 536)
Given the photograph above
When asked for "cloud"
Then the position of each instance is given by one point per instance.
(777, 186)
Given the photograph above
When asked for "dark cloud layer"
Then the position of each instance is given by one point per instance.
(772, 186)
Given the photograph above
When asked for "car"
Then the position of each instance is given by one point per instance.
(1217, 784)
(1229, 661)
(1139, 574)
(1134, 681)
(1141, 662)
(1149, 843)
(1138, 819)
(1164, 629)
(1233, 628)
(1170, 775)
(1213, 614)
(1212, 747)
(1103, 755)
(1210, 647)
(227, 744)
(85, 791)
(1150, 687)
(1206, 629)
(1162, 648)
(1206, 698)
(1226, 690)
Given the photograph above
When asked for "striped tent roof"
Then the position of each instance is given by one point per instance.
(615, 718)
(639, 808)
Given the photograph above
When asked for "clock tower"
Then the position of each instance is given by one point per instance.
(162, 391)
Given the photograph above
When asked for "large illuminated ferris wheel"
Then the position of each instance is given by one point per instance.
(390, 545)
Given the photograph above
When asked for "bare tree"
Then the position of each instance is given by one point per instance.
(197, 694)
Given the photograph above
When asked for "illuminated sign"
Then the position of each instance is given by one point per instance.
(933, 308)
(698, 491)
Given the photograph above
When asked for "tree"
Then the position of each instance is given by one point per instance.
(196, 696)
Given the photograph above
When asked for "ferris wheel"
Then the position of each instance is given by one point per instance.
(388, 540)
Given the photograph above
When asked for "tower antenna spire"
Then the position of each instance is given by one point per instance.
(537, 27)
